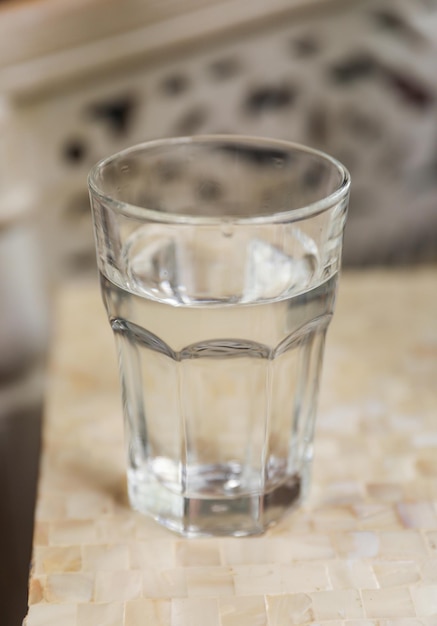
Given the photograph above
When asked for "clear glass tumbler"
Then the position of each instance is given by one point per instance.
(219, 259)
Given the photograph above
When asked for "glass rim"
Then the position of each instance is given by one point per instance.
(287, 215)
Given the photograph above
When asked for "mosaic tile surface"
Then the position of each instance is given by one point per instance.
(361, 552)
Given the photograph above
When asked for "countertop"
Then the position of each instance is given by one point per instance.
(362, 551)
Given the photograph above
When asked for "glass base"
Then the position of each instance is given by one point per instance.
(211, 513)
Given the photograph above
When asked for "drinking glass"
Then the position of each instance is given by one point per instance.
(219, 258)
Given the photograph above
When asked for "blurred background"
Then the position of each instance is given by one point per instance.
(81, 79)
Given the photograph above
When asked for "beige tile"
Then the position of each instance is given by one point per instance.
(195, 612)
(394, 602)
(146, 529)
(246, 551)
(286, 609)
(337, 604)
(377, 516)
(107, 558)
(57, 559)
(426, 462)
(253, 580)
(396, 573)
(105, 614)
(343, 493)
(51, 507)
(302, 547)
(402, 545)
(209, 581)
(425, 600)
(351, 574)
(357, 545)
(385, 492)
(115, 529)
(202, 552)
(36, 589)
(431, 538)
(41, 533)
(118, 586)
(401, 621)
(171, 583)
(420, 489)
(69, 587)
(147, 612)
(243, 611)
(332, 519)
(295, 547)
(159, 554)
(72, 533)
(52, 615)
(420, 515)
(428, 570)
(88, 505)
(304, 577)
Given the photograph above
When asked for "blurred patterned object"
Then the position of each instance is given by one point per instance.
(355, 79)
